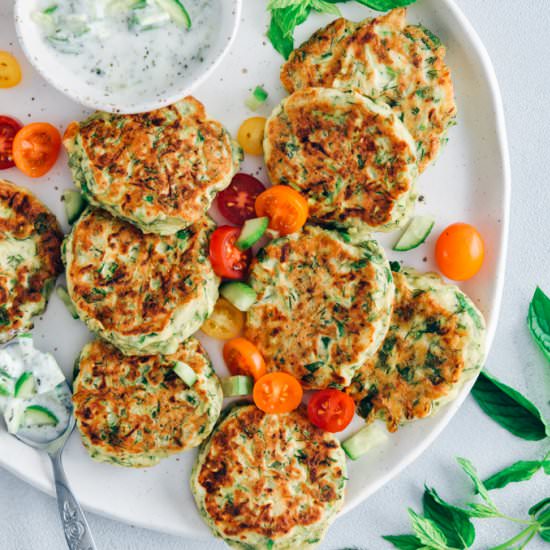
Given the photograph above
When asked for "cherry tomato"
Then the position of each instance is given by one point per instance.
(236, 203)
(286, 208)
(10, 71)
(226, 321)
(8, 128)
(331, 410)
(227, 260)
(243, 357)
(251, 135)
(459, 251)
(277, 392)
(36, 148)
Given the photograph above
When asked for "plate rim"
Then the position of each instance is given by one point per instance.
(45, 485)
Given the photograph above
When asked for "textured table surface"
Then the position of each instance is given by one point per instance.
(516, 36)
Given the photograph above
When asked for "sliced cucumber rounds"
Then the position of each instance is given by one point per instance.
(239, 294)
(252, 231)
(37, 416)
(185, 372)
(177, 11)
(75, 204)
(235, 386)
(415, 234)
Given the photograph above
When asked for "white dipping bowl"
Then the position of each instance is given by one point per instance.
(50, 66)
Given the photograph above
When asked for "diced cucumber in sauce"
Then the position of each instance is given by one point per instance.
(66, 299)
(252, 231)
(25, 387)
(235, 386)
(185, 372)
(256, 99)
(239, 294)
(36, 415)
(13, 415)
(177, 11)
(416, 233)
(365, 440)
(145, 21)
(75, 204)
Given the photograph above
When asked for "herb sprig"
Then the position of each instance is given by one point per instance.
(286, 15)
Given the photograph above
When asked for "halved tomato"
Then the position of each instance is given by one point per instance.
(286, 208)
(277, 392)
(36, 148)
(236, 203)
(243, 357)
(8, 129)
(331, 410)
(227, 260)
(225, 322)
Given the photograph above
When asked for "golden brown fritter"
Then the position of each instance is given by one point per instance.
(269, 480)
(389, 61)
(435, 342)
(352, 159)
(30, 258)
(143, 293)
(323, 306)
(159, 170)
(134, 411)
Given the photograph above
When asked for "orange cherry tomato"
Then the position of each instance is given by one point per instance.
(331, 410)
(286, 208)
(459, 251)
(36, 148)
(277, 392)
(243, 357)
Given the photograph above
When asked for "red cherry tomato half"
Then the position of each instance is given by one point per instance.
(331, 410)
(236, 203)
(8, 128)
(459, 251)
(227, 260)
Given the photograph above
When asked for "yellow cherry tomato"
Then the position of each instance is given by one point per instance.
(226, 321)
(10, 71)
(251, 135)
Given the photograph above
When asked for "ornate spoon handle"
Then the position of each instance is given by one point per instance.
(76, 529)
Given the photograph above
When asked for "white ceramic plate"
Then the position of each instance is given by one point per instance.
(470, 182)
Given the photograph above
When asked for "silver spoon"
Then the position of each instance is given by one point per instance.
(76, 528)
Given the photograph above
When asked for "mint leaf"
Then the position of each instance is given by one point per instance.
(283, 22)
(322, 6)
(539, 506)
(480, 488)
(519, 471)
(482, 511)
(509, 408)
(386, 5)
(539, 321)
(427, 531)
(404, 542)
(453, 522)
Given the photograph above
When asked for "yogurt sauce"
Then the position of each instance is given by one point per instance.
(115, 48)
(51, 390)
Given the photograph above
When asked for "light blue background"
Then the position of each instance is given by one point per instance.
(517, 35)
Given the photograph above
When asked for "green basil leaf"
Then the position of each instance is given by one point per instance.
(509, 408)
(404, 542)
(539, 321)
(427, 531)
(453, 522)
(519, 471)
(471, 472)
(386, 5)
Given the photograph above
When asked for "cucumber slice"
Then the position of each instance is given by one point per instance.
(75, 204)
(252, 231)
(25, 387)
(256, 99)
(176, 11)
(185, 372)
(239, 294)
(44, 20)
(13, 415)
(235, 386)
(61, 291)
(36, 415)
(415, 234)
(364, 440)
